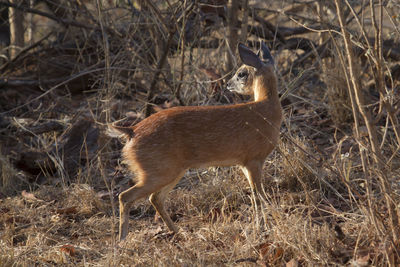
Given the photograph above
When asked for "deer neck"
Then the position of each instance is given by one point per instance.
(265, 87)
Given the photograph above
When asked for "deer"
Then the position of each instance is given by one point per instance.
(162, 147)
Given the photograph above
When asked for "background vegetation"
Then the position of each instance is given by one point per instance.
(70, 68)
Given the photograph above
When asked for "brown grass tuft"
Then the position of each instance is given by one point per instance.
(295, 171)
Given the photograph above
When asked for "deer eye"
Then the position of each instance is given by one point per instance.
(242, 74)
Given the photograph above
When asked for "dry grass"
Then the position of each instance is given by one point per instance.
(306, 221)
(73, 225)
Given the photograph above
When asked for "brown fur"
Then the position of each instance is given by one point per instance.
(162, 147)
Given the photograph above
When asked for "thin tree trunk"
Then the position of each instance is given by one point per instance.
(30, 29)
(245, 12)
(16, 20)
(233, 12)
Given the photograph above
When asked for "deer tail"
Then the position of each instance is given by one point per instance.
(121, 132)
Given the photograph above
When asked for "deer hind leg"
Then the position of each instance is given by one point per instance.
(157, 200)
(126, 199)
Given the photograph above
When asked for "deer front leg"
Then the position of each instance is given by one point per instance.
(252, 171)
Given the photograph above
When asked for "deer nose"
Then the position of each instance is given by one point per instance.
(229, 85)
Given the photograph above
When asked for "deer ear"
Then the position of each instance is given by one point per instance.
(248, 57)
(266, 54)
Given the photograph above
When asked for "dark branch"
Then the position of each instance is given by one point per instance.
(50, 16)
